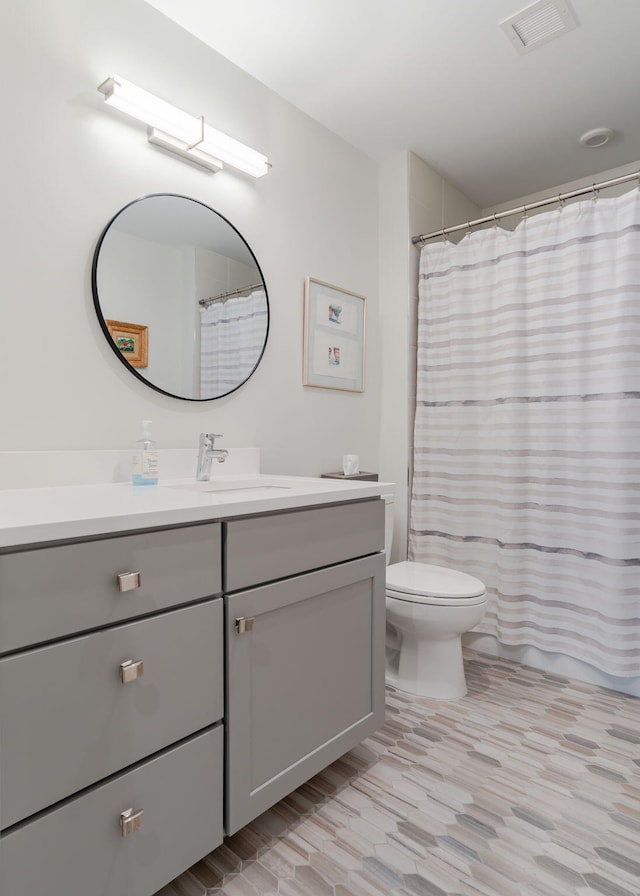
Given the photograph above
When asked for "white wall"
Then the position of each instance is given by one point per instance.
(139, 286)
(413, 199)
(394, 324)
(69, 164)
(554, 191)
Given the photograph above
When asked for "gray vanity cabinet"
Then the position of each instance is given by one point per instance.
(118, 714)
(305, 654)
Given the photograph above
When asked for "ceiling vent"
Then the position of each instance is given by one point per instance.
(538, 24)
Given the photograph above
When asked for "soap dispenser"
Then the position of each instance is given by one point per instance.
(145, 458)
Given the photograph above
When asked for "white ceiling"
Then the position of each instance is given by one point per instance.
(440, 78)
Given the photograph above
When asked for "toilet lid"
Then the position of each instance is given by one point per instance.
(426, 580)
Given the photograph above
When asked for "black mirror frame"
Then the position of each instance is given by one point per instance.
(101, 318)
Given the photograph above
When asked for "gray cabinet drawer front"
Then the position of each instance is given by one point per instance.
(78, 850)
(51, 592)
(68, 720)
(266, 548)
(306, 684)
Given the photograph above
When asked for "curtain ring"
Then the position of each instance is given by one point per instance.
(561, 201)
(595, 193)
(468, 228)
(524, 212)
(495, 221)
(444, 235)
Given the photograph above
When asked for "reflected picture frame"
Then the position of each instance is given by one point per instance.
(334, 337)
(131, 340)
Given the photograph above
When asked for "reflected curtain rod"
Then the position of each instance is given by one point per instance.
(523, 209)
(223, 296)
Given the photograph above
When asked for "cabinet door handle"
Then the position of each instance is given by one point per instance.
(129, 581)
(130, 821)
(245, 624)
(130, 670)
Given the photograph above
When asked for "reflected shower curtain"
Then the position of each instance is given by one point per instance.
(527, 430)
(232, 335)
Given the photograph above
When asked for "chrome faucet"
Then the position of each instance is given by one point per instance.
(206, 453)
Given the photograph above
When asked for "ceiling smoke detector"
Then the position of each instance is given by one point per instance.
(597, 137)
(537, 24)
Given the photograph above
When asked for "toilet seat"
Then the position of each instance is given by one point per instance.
(424, 583)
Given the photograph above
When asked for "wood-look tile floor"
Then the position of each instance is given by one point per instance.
(528, 786)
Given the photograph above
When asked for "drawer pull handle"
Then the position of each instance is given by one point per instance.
(130, 670)
(130, 821)
(129, 581)
(245, 624)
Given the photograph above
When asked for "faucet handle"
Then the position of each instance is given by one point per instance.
(210, 436)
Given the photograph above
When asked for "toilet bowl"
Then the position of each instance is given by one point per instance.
(428, 610)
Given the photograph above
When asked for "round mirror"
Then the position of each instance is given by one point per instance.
(180, 297)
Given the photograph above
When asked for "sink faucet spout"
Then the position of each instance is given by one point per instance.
(206, 453)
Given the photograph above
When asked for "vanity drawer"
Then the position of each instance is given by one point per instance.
(274, 546)
(78, 848)
(69, 720)
(55, 591)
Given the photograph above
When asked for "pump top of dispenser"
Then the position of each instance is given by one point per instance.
(145, 435)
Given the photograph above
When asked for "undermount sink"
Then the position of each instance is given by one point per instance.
(231, 486)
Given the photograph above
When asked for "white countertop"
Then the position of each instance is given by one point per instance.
(29, 516)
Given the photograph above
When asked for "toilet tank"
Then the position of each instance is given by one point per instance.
(388, 524)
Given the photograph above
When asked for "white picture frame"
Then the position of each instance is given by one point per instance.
(334, 337)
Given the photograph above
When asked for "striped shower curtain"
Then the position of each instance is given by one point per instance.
(232, 336)
(527, 429)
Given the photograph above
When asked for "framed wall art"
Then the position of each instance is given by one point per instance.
(130, 340)
(334, 343)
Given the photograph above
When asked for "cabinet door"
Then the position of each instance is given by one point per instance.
(305, 680)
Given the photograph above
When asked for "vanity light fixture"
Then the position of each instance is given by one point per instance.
(181, 133)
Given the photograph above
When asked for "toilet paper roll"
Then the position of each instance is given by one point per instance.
(350, 464)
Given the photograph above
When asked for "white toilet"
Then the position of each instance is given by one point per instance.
(428, 610)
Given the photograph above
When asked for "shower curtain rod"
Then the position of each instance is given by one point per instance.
(523, 209)
(223, 296)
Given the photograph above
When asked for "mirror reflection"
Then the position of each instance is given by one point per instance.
(180, 297)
